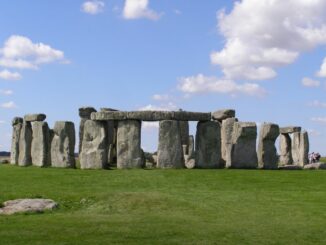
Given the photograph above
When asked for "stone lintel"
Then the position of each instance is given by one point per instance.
(151, 115)
(290, 130)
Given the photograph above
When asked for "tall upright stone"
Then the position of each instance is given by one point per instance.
(129, 152)
(296, 148)
(304, 148)
(208, 145)
(111, 130)
(267, 153)
(63, 145)
(25, 144)
(94, 146)
(243, 154)
(285, 146)
(226, 140)
(170, 153)
(17, 124)
(40, 144)
(84, 114)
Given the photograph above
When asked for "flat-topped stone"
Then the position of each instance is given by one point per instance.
(85, 112)
(290, 130)
(35, 117)
(151, 115)
(27, 205)
(223, 114)
(16, 120)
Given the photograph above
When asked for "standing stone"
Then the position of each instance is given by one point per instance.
(170, 154)
(267, 153)
(208, 145)
(243, 153)
(304, 148)
(63, 145)
(17, 124)
(129, 153)
(226, 140)
(40, 144)
(84, 114)
(296, 148)
(285, 150)
(25, 144)
(94, 146)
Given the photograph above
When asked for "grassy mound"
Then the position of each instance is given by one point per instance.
(166, 206)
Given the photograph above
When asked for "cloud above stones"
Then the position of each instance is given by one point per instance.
(8, 105)
(308, 82)
(273, 34)
(139, 9)
(21, 53)
(8, 75)
(93, 7)
(204, 84)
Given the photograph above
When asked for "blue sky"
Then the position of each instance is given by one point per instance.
(263, 58)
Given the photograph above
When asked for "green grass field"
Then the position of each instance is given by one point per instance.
(166, 206)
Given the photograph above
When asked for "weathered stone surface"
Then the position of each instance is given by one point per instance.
(190, 163)
(151, 115)
(107, 109)
(40, 144)
(170, 153)
(290, 167)
(316, 165)
(223, 114)
(16, 120)
(290, 130)
(304, 148)
(25, 145)
(285, 145)
(17, 123)
(227, 129)
(94, 147)
(27, 205)
(243, 154)
(267, 153)
(35, 117)
(208, 145)
(63, 144)
(84, 114)
(129, 152)
(296, 148)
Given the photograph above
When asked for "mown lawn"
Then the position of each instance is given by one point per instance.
(166, 206)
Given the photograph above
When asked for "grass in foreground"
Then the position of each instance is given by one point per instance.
(166, 206)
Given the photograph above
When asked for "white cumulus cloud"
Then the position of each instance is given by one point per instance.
(204, 84)
(262, 35)
(6, 92)
(308, 82)
(9, 105)
(20, 52)
(93, 7)
(322, 71)
(8, 75)
(136, 9)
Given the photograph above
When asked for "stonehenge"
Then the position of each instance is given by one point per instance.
(17, 124)
(267, 153)
(208, 145)
(93, 154)
(63, 144)
(170, 152)
(112, 138)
